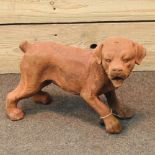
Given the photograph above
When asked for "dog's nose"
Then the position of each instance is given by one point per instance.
(117, 70)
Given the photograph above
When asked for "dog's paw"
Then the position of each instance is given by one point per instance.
(15, 114)
(42, 98)
(112, 125)
(124, 113)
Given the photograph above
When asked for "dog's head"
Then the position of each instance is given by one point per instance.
(118, 56)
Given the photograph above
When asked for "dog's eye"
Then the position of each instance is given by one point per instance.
(108, 60)
(126, 60)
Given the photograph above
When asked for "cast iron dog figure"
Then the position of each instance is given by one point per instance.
(85, 72)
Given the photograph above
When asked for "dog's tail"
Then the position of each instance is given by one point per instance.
(24, 46)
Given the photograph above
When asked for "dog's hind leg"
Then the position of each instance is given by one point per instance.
(43, 97)
(27, 87)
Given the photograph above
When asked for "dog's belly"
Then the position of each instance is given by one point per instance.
(70, 87)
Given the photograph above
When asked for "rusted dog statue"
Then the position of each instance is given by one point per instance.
(88, 73)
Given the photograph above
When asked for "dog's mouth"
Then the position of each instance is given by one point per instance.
(117, 81)
(118, 78)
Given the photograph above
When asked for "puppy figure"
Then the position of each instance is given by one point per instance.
(84, 72)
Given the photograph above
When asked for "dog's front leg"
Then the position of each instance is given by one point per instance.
(119, 108)
(111, 123)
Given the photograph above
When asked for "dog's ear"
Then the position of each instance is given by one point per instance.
(140, 53)
(98, 53)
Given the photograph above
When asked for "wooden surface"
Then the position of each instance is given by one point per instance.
(74, 22)
(81, 35)
(53, 11)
